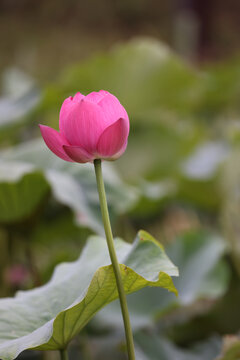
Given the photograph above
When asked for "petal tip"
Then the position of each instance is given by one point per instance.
(54, 141)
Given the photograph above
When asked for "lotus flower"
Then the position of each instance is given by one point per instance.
(92, 127)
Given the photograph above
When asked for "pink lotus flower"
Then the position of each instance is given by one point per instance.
(95, 126)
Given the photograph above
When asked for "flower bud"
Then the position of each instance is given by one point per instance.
(92, 127)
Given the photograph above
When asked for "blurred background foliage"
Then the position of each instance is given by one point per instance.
(175, 66)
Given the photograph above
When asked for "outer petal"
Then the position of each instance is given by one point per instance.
(120, 152)
(85, 124)
(113, 139)
(112, 109)
(78, 154)
(66, 108)
(54, 141)
(95, 97)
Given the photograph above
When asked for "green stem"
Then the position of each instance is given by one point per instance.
(63, 354)
(113, 256)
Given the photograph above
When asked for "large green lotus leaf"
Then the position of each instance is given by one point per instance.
(72, 184)
(204, 275)
(153, 347)
(50, 316)
(22, 190)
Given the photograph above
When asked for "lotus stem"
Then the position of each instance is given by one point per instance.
(114, 260)
(63, 354)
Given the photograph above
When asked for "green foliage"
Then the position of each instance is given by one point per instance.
(182, 153)
(77, 291)
(71, 184)
(18, 201)
(203, 275)
(151, 347)
(165, 98)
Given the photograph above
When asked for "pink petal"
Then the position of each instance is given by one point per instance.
(85, 123)
(120, 152)
(54, 141)
(113, 140)
(78, 154)
(112, 109)
(95, 97)
(78, 97)
(66, 108)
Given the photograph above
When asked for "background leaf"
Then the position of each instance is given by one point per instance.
(152, 347)
(17, 200)
(204, 275)
(72, 185)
